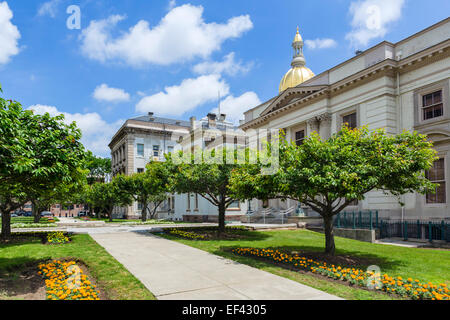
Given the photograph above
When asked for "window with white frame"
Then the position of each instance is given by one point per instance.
(432, 105)
(140, 149)
(350, 120)
(299, 137)
(156, 151)
(437, 175)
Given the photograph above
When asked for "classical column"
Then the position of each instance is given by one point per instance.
(313, 125)
(325, 125)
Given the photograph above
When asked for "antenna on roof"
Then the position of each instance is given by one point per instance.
(218, 100)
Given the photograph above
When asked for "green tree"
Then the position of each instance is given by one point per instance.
(198, 173)
(327, 175)
(99, 168)
(149, 187)
(106, 196)
(36, 152)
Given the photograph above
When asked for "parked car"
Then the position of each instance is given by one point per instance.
(14, 215)
(46, 214)
(82, 214)
(27, 214)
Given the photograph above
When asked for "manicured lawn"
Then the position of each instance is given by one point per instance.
(423, 264)
(28, 220)
(111, 276)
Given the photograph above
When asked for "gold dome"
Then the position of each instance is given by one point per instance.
(294, 77)
(299, 73)
(298, 37)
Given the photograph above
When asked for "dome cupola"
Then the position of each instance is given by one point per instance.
(299, 73)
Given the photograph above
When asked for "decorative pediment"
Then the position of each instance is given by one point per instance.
(290, 94)
(437, 135)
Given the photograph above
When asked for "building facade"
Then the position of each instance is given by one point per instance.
(395, 86)
(146, 138)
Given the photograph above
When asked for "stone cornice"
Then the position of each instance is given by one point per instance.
(387, 67)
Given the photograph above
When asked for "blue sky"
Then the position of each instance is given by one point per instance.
(172, 57)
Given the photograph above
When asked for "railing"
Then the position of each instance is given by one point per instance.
(415, 229)
(357, 220)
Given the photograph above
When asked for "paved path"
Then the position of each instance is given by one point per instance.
(174, 271)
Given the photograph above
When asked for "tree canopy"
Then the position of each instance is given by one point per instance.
(149, 187)
(327, 175)
(37, 154)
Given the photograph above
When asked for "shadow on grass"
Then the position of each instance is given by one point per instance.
(235, 235)
(343, 258)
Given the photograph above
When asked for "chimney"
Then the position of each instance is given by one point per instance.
(358, 52)
(193, 123)
(211, 120)
(241, 122)
(151, 118)
(222, 117)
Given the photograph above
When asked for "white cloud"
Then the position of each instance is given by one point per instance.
(97, 133)
(180, 36)
(172, 4)
(105, 93)
(191, 93)
(234, 107)
(321, 43)
(370, 19)
(49, 8)
(9, 34)
(228, 66)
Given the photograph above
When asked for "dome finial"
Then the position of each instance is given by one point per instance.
(298, 37)
(299, 73)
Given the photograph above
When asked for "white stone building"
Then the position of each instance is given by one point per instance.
(147, 138)
(396, 86)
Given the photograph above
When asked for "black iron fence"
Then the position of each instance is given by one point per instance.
(357, 220)
(415, 229)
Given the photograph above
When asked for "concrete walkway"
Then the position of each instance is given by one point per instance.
(173, 271)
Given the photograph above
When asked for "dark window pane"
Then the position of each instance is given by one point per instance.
(427, 100)
(299, 137)
(437, 175)
(437, 97)
(350, 119)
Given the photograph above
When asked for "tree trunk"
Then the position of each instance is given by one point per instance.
(329, 235)
(222, 217)
(110, 212)
(144, 212)
(36, 213)
(6, 225)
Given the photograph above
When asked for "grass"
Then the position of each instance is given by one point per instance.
(111, 276)
(423, 264)
(29, 220)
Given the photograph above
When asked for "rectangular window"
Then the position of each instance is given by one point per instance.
(299, 137)
(156, 151)
(140, 170)
(196, 202)
(350, 120)
(140, 149)
(432, 105)
(170, 149)
(437, 175)
(139, 206)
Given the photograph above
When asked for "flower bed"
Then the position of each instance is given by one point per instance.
(42, 235)
(66, 281)
(32, 225)
(185, 234)
(411, 288)
(207, 233)
(57, 238)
